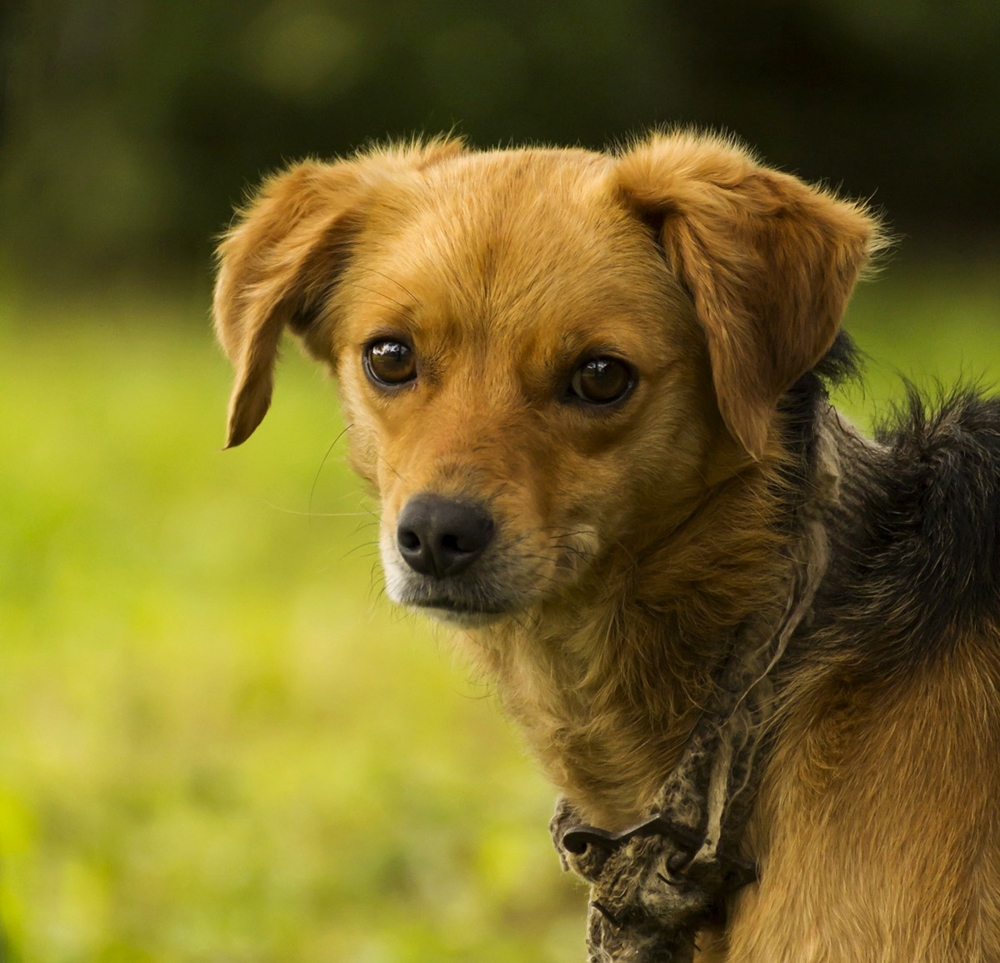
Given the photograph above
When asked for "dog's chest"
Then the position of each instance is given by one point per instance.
(604, 745)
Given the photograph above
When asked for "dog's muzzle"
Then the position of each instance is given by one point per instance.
(459, 560)
(441, 537)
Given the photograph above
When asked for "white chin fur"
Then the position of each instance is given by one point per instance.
(394, 568)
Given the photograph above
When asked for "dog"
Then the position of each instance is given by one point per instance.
(757, 653)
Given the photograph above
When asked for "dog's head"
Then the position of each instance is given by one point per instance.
(546, 357)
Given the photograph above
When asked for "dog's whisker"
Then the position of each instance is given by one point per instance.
(312, 514)
(392, 280)
(400, 308)
(360, 549)
(382, 306)
(385, 461)
(369, 521)
(312, 490)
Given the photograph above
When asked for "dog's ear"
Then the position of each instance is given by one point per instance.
(280, 260)
(769, 262)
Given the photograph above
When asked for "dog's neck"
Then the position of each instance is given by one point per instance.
(609, 683)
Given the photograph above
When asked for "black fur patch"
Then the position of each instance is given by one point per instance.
(915, 557)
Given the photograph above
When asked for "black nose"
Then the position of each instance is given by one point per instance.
(441, 536)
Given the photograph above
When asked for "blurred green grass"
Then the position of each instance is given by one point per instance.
(217, 741)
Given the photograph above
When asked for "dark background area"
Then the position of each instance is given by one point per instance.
(131, 127)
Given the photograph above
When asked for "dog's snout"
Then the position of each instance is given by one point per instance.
(442, 536)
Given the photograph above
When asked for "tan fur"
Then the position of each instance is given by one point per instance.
(904, 780)
(631, 541)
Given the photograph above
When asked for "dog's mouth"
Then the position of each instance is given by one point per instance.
(469, 604)
(460, 614)
(496, 587)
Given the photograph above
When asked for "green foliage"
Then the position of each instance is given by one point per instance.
(219, 742)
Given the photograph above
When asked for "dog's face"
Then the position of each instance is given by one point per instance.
(520, 371)
(546, 357)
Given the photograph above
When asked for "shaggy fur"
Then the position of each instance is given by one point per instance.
(630, 540)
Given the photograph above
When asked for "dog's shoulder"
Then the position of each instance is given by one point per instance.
(915, 549)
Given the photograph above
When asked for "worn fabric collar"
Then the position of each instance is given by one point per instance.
(654, 885)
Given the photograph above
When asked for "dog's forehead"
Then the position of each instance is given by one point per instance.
(502, 212)
(534, 240)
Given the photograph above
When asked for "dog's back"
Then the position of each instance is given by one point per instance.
(879, 811)
(919, 551)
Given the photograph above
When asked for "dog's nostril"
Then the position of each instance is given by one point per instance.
(441, 536)
(457, 543)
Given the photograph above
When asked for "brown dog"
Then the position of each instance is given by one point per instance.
(589, 391)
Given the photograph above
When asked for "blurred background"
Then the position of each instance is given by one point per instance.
(217, 741)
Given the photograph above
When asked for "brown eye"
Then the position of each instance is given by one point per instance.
(602, 381)
(389, 363)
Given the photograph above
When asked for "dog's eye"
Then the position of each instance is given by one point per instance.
(390, 362)
(602, 381)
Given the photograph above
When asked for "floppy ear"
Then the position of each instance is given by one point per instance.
(769, 262)
(280, 261)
